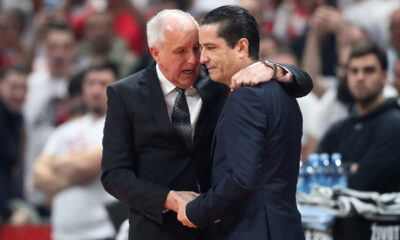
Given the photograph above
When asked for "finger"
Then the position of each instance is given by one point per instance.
(237, 80)
(195, 194)
(192, 226)
(233, 80)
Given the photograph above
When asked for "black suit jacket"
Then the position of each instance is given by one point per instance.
(143, 158)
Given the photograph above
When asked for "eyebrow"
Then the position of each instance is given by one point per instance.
(208, 44)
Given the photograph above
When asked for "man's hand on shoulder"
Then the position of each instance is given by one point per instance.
(259, 73)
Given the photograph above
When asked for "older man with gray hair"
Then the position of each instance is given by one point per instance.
(159, 127)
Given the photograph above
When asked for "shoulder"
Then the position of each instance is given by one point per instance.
(246, 92)
(38, 78)
(390, 118)
(245, 99)
(339, 124)
(135, 81)
(72, 124)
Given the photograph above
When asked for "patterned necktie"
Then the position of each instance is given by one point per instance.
(180, 117)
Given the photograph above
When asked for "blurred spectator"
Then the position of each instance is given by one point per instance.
(44, 19)
(313, 54)
(15, 34)
(70, 162)
(374, 17)
(324, 25)
(77, 13)
(368, 138)
(76, 106)
(395, 30)
(267, 45)
(394, 51)
(198, 8)
(101, 45)
(333, 93)
(13, 87)
(396, 70)
(46, 104)
(254, 7)
(128, 24)
(291, 19)
(10, 53)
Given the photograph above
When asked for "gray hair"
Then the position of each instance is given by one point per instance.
(155, 27)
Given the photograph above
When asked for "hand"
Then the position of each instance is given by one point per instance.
(326, 19)
(252, 76)
(173, 198)
(257, 74)
(182, 199)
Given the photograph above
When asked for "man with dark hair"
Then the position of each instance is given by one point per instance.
(70, 161)
(46, 100)
(371, 129)
(368, 139)
(13, 86)
(257, 141)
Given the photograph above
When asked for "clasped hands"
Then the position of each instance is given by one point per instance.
(177, 201)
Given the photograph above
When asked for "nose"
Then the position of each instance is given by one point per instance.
(193, 58)
(204, 58)
(360, 75)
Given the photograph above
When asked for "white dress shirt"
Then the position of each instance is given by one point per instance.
(192, 98)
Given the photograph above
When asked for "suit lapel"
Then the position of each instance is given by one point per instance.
(152, 93)
(203, 125)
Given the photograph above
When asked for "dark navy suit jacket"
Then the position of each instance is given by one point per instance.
(256, 154)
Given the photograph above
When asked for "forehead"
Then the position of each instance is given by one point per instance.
(181, 38)
(208, 34)
(59, 35)
(14, 76)
(364, 61)
(99, 74)
(99, 18)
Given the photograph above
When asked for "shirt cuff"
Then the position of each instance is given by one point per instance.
(188, 218)
(165, 210)
(287, 77)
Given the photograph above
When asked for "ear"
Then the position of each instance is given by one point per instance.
(155, 52)
(242, 47)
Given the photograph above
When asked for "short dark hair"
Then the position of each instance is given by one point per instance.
(235, 23)
(106, 65)
(21, 69)
(368, 47)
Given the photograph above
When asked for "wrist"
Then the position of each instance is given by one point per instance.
(170, 202)
(273, 66)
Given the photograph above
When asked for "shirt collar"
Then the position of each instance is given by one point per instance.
(253, 64)
(166, 85)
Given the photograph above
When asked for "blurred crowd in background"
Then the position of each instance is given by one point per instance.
(46, 46)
